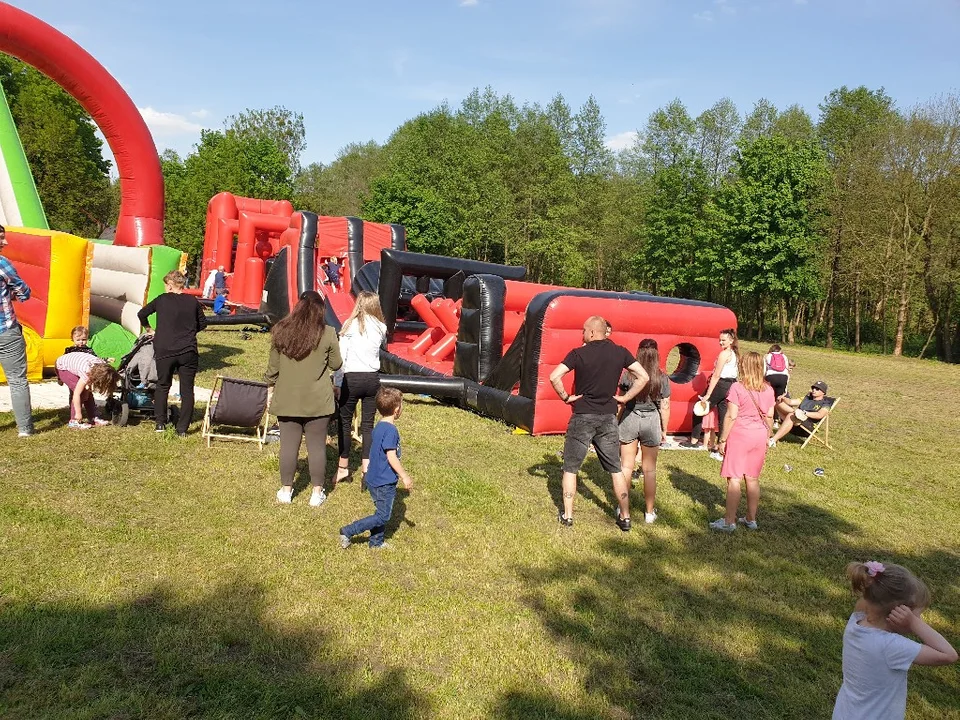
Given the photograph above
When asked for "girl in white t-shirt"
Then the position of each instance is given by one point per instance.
(361, 337)
(876, 656)
(776, 370)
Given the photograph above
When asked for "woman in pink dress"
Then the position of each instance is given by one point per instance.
(743, 440)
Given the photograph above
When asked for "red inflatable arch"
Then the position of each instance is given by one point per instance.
(74, 69)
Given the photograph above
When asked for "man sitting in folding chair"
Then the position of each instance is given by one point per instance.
(804, 417)
(236, 403)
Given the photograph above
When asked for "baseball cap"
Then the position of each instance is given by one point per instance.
(819, 385)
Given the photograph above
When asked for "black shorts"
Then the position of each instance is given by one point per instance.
(601, 430)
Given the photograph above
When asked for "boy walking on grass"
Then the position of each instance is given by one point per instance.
(384, 471)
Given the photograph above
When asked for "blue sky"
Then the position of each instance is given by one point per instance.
(358, 69)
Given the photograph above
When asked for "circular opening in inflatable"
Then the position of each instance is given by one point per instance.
(683, 363)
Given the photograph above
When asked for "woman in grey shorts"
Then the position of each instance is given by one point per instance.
(644, 423)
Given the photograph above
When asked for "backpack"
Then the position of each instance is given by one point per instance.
(778, 363)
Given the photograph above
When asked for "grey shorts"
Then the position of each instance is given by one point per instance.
(642, 425)
(601, 430)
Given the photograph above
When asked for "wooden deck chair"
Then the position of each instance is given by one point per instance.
(236, 404)
(824, 423)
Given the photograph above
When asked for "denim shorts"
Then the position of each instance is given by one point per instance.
(642, 425)
(601, 430)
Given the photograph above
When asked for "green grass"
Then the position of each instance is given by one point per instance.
(147, 577)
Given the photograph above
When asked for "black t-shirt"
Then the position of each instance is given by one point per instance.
(219, 280)
(597, 367)
(179, 319)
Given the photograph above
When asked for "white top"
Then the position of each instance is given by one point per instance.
(361, 350)
(729, 370)
(78, 363)
(875, 664)
(767, 370)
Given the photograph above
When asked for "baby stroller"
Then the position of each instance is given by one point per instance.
(135, 395)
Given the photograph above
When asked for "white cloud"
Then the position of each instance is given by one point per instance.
(704, 16)
(469, 3)
(725, 7)
(200, 114)
(621, 141)
(165, 124)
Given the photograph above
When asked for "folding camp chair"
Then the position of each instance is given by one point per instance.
(824, 422)
(236, 403)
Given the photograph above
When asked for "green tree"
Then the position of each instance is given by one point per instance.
(769, 222)
(283, 127)
(339, 188)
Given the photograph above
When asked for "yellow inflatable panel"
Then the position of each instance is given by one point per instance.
(34, 356)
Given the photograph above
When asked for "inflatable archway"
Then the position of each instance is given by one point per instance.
(76, 71)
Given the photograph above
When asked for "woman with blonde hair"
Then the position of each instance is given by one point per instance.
(361, 337)
(743, 440)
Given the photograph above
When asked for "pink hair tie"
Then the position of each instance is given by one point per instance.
(874, 568)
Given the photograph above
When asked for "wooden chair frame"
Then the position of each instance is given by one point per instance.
(823, 422)
(260, 430)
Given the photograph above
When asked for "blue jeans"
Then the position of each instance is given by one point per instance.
(383, 502)
(13, 360)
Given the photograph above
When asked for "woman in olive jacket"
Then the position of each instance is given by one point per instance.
(303, 356)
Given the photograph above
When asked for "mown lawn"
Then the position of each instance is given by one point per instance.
(147, 577)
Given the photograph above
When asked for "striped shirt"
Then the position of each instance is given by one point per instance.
(78, 363)
(10, 286)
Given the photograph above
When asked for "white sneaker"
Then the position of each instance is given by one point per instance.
(285, 495)
(100, 422)
(317, 498)
(750, 524)
(722, 526)
(771, 443)
(650, 518)
(716, 456)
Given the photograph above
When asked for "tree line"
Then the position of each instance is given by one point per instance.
(841, 230)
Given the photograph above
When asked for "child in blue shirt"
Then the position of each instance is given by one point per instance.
(384, 471)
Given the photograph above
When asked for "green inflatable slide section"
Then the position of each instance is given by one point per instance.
(19, 203)
(110, 339)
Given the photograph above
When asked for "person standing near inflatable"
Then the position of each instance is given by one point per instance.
(776, 370)
(208, 284)
(361, 337)
(644, 422)
(723, 377)
(743, 441)
(304, 354)
(13, 348)
(179, 318)
(597, 365)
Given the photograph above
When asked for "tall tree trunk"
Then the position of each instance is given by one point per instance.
(856, 314)
(901, 314)
(782, 317)
(794, 321)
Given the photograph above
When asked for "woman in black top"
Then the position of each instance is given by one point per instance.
(179, 318)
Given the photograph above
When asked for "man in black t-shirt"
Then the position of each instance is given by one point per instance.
(597, 366)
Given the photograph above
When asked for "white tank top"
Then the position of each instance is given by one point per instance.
(729, 370)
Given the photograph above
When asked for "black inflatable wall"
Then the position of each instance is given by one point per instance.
(480, 338)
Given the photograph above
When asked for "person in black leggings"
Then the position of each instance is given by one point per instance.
(304, 354)
(725, 372)
(179, 318)
(361, 337)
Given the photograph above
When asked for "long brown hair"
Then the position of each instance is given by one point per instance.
(751, 371)
(367, 305)
(298, 334)
(887, 585)
(735, 343)
(648, 355)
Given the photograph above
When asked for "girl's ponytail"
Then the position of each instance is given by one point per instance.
(887, 585)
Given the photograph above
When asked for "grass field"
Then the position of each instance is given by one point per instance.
(145, 576)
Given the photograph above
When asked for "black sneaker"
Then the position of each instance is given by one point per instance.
(160, 427)
(623, 523)
(181, 434)
(564, 520)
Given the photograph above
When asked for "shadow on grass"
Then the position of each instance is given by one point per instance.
(551, 472)
(165, 657)
(216, 357)
(682, 623)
